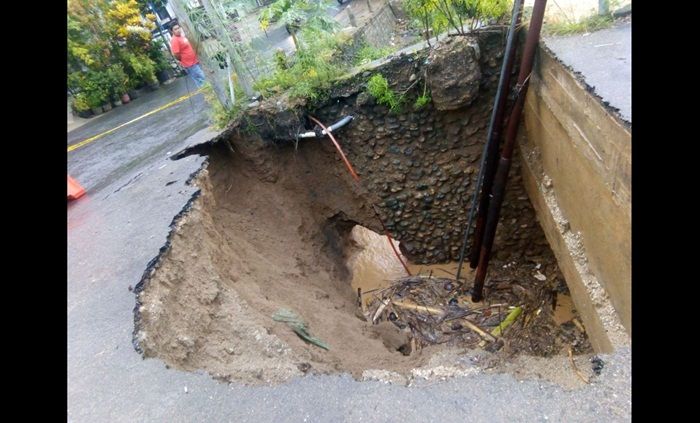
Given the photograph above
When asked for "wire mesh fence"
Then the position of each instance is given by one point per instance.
(234, 52)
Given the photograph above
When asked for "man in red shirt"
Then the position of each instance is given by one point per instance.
(183, 51)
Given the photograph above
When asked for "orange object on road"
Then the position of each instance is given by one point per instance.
(75, 191)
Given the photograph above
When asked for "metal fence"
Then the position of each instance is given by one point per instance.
(223, 45)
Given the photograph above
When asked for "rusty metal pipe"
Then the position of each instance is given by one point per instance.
(340, 150)
(490, 228)
(491, 152)
(494, 134)
(391, 241)
(501, 178)
(328, 132)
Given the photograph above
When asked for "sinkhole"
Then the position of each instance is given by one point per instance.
(278, 270)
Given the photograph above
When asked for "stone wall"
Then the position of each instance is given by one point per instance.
(378, 31)
(419, 166)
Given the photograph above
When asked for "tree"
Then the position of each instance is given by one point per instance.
(105, 38)
(88, 40)
(437, 15)
(126, 24)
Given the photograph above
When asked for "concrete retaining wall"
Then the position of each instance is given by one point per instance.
(577, 171)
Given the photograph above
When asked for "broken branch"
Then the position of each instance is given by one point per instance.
(498, 331)
(416, 307)
(478, 330)
(576, 370)
(381, 308)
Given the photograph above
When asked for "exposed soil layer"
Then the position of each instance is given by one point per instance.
(256, 241)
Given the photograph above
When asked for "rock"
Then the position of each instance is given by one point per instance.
(455, 74)
(547, 182)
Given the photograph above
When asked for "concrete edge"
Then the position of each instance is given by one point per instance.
(600, 318)
(613, 111)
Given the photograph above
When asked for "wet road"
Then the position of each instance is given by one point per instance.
(133, 192)
(604, 59)
(98, 163)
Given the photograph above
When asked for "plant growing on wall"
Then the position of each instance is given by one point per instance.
(201, 22)
(378, 87)
(422, 99)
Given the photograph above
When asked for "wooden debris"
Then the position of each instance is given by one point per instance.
(576, 370)
(381, 308)
(498, 331)
(436, 313)
(579, 325)
(478, 330)
(419, 308)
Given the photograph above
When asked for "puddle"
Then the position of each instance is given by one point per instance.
(375, 266)
(428, 307)
(564, 311)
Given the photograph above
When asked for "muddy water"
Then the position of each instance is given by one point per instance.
(564, 311)
(374, 265)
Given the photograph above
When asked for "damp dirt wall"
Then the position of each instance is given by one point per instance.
(577, 172)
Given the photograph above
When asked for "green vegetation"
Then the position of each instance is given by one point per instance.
(588, 24)
(378, 87)
(310, 72)
(366, 53)
(80, 103)
(421, 101)
(110, 50)
(437, 16)
(424, 98)
(220, 115)
(297, 14)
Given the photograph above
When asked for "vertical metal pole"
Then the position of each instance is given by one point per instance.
(230, 83)
(488, 158)
(160, 31)
(499, 186)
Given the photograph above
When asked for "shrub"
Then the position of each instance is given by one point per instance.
(378, 87)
